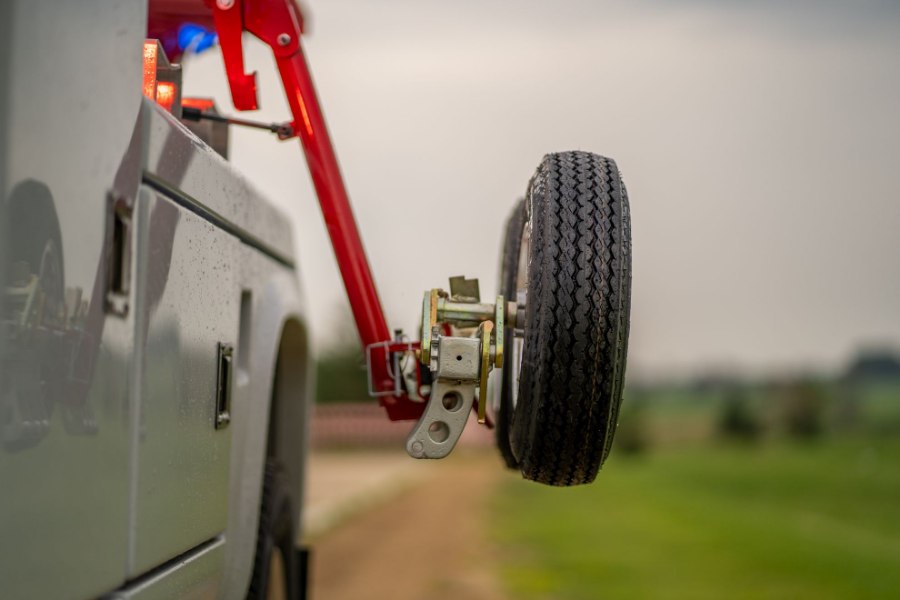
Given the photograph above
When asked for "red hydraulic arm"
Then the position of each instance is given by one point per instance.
(279, 23)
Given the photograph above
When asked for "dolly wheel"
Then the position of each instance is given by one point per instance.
(512, 241)
(573, 278)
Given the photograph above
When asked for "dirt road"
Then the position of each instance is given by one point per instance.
(427, 542)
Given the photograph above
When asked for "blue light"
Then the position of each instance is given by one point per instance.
(194, 38)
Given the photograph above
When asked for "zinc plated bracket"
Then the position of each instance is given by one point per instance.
(457, 365)
(460, 363)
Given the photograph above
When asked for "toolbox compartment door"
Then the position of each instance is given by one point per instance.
(188, 306)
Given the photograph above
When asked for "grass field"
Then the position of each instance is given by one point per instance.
(779, 520)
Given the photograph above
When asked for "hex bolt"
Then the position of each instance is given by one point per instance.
(283, 38)
(224, 4)
(418, 449)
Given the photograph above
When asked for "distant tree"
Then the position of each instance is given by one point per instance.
(848, 404)
(714, 382)
(738, 420)
(874, 364)
(341, 377)
(341, 367)
(633, 431)
(803, 409)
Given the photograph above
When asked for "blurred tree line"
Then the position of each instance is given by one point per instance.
(341, 377)
(863, 400)
(341, 366)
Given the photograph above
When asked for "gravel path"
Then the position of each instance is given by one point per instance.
(423, 540)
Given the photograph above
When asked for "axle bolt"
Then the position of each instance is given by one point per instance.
(224, 4)
(417, 449)
(283, 38)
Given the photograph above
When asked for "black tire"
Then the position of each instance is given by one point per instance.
(576, 318)
(35, 236)
(277, 531)
(512, 241)
(33, 223)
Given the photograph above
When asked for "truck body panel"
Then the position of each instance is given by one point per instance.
(115, 477)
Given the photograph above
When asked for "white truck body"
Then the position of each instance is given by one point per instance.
(132, 254)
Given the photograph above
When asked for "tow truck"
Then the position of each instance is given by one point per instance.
(155, 364)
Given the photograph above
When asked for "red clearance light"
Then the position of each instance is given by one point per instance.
(199, 103)
(165, 94)
(162, 80)
(151, 49)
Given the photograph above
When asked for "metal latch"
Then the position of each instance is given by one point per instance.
(118, 255)
(223, 386)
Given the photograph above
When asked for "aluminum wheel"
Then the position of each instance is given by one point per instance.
(518, 341)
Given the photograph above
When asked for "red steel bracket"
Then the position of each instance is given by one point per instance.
(279, 24)
(228, 18)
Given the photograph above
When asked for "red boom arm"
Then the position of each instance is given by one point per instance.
(279, 24)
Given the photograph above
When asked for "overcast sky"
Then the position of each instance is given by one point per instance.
(760, 145)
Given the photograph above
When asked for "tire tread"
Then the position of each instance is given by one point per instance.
(576, 319)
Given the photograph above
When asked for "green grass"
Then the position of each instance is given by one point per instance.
(778, 521)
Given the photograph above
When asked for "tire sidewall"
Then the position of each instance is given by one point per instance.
(523, 419)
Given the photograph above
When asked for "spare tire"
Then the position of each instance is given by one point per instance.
(575, 272)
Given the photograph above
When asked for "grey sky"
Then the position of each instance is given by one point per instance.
(760, 144)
